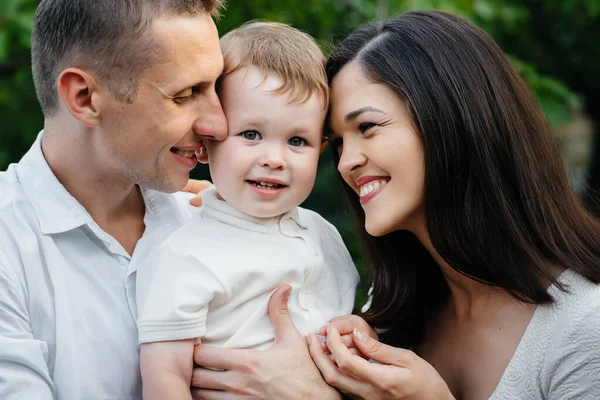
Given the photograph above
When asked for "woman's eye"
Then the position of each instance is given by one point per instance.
(251, 135)
(297, 142)
(365, 126)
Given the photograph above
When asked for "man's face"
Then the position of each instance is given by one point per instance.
(152, 141)
(268, 163)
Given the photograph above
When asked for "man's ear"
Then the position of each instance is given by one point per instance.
(324, 144)
(79, 93)
(202, 154)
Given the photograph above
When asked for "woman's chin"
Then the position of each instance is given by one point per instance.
(377, 229)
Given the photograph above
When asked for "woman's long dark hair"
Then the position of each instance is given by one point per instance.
(498, 206)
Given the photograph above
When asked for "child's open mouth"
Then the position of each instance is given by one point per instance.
(266, 185)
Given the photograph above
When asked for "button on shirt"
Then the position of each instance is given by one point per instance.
(213, 277)
(67, 290)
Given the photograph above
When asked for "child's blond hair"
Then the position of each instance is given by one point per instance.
(278, 48)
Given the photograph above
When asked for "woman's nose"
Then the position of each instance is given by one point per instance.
(351, 158)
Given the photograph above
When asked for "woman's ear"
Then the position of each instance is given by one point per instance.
(79, 93)
(202, 153)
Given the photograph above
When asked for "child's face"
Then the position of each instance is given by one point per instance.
(267, 164)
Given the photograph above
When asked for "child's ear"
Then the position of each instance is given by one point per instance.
(324, 144)
(202, 154)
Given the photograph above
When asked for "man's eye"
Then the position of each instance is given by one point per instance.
(297, 142)
(186, 95)
(251, 135)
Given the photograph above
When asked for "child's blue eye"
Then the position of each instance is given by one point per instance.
(251, 135)
(297, 142)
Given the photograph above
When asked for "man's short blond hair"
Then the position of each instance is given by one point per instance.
(278, 48)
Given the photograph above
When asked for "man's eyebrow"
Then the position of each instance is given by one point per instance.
(354, 114)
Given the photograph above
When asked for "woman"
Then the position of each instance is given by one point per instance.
(484, 262)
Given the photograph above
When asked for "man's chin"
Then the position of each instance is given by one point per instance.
(165, 185)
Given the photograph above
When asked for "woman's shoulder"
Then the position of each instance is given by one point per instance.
(578, 299)
(573, 351)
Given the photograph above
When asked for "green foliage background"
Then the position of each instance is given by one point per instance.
(553, 43)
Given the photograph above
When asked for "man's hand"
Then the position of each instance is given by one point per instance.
(284, 371)
(196, 187)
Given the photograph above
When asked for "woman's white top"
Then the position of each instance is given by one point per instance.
(558, 357)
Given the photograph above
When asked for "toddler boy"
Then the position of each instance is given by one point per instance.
(211, 279)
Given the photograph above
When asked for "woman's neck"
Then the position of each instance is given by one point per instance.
(469, 298)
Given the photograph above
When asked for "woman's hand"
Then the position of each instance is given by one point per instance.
(399, 373)
(345, 326)
(196, 187)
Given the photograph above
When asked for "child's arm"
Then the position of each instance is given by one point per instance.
(167, 369)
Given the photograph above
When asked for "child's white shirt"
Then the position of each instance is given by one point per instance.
(212, 278)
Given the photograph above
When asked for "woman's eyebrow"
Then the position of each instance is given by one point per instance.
(354, 114)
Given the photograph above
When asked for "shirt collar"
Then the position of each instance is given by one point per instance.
(214, 207)
(56, 209)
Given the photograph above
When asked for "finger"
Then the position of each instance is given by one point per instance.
(195, 186)
(359, 367)
(382, 352)
(196, 201)
(347, 340)
(343, 324)
(283, 326)
(203, 378)
(332, 374)
(347, 323)
(206, 394)
(353, 350)
(219, 358)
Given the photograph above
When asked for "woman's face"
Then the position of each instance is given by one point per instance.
(381, 153)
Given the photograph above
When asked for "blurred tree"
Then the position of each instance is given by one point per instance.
(20, 114)
(561, 38)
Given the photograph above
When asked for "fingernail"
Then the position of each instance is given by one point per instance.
(360, 336)
(287, 293)
(328, 328)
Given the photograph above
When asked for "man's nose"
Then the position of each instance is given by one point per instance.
(211, 124)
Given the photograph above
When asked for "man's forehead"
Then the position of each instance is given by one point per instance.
(185, 54)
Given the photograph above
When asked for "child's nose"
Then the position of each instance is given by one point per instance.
(273, 158)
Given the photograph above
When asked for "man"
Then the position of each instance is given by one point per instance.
(128, 92)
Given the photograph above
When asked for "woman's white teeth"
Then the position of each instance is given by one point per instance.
(185, 153)
(371, 186)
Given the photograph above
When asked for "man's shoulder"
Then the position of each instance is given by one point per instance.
(16, 210)
(17, 223)
(9, 186)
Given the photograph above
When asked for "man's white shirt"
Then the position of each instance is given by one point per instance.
(67, 289)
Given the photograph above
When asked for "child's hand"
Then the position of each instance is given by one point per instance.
(196, 187)
(345, 326)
